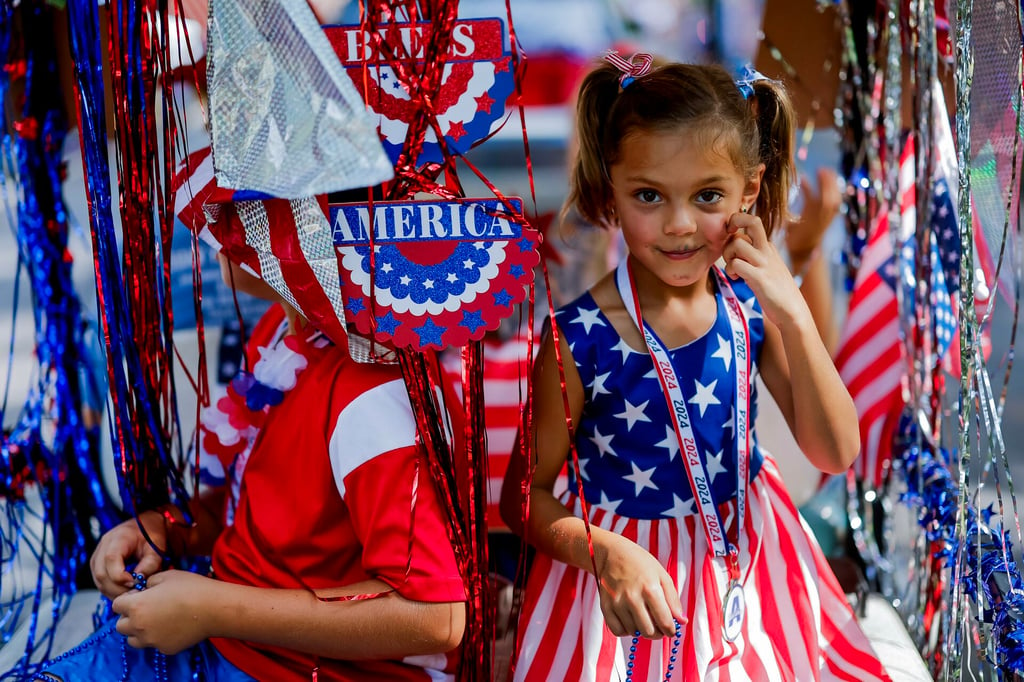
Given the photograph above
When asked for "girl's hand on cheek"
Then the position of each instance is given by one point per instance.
(749, 254)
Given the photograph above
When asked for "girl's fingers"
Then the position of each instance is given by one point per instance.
(661, 615)
(675, 603)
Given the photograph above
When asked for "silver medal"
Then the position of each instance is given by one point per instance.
(733, 609)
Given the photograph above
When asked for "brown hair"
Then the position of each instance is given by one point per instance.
(705, 100)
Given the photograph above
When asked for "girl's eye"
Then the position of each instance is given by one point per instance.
(709, 196)
(647, 196)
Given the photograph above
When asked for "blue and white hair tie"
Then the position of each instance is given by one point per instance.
(748, 75)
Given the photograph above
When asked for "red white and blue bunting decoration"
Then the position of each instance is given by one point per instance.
(476, 80)
(439, 273)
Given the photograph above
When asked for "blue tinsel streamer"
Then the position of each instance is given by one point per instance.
(989, 571)
(49, 449)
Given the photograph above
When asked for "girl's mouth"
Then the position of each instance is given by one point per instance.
(679, 254)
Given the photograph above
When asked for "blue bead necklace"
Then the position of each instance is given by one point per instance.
(671, 659)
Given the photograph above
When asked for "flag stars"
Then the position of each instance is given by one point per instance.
(724, 352)
(405, 280)
(705, 396)
(749, 307)
(428, 284)
(598, 385)
(467, 264)
(641, 478)
(680, 508)
(715, 466)
(452, 277)
(610, 505)
(603, 443)
(588, 318)
(387, 267)
(623, 348)
(633, 414)
(670, 442)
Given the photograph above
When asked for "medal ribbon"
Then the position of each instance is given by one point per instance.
(696, 471)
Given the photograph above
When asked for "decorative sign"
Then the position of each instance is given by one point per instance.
(441, 273)
(476, 81)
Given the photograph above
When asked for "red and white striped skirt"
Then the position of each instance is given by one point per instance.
(798, 624)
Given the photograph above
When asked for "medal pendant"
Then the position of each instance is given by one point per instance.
(733, 609)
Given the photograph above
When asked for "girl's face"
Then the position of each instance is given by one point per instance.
(673, 197)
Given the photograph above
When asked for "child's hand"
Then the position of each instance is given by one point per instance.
(121, 543)
(165, 614)
(637, 593)
(750, 254)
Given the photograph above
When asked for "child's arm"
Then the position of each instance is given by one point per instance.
(795, 365)
(637, 594)
(126, 541)
(179, 609)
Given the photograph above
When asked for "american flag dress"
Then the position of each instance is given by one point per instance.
(798, 624)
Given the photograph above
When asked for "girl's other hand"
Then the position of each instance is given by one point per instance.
(637, 593)
(167, 615)
(751, 255)
(125, 542)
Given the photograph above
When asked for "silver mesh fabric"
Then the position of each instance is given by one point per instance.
(285, 118)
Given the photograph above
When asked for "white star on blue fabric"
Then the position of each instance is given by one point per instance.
(653, 374)
(730, 423)
(714, 465)
(641, 478)
(610, 505)
(748, 308)
(623, 348)
(671, 442)
(705, 396)
(633, 414)
(405, 279)
(599, 384)
(724, 351)
(680, 508)
(387, 267)
(588, 318)
(603, 443)
(428, 284)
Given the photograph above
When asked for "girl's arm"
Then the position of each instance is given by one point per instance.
(795, 365)
(179, 609)
(637, 593)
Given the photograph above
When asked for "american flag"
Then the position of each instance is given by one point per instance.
(871, 357)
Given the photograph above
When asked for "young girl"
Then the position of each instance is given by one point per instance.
(704, 570)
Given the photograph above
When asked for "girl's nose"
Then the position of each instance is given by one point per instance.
(680, 222)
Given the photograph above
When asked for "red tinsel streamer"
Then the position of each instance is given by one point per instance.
(137, 43)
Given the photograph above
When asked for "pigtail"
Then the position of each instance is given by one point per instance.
(589, 187)
(776, 125)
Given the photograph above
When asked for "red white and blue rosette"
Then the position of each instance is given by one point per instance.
(439, 273)
(476, 80)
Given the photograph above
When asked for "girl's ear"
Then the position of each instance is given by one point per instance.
(753, 186)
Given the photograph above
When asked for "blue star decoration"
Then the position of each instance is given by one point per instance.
(472, 320)
(355, 305)
(387, 324)
(525, 245)
(502, 298)
(429, 333)
(516, 271)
